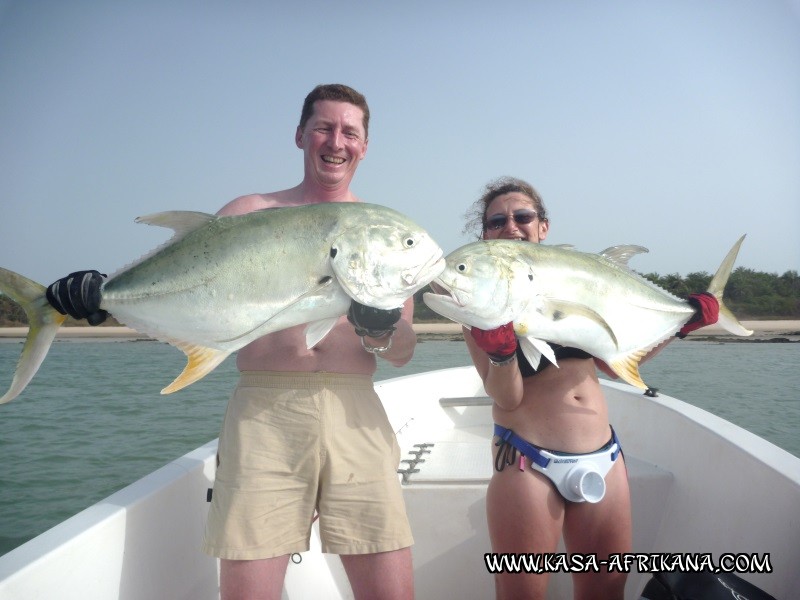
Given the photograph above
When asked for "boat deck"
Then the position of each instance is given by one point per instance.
(698, 484)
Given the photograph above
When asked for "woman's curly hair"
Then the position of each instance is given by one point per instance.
(476, 215)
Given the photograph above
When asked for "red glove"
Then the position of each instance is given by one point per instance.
(707, 313)
(500, 344)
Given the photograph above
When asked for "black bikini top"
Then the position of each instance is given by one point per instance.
(561, 352)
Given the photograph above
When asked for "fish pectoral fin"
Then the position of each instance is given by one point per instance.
(560, 309)
(534, 349)
(201, 361)
(324, 289)
(324, 284)
(627, 368)
(317, 330)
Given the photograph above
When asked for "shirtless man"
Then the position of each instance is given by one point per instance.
(304, 430)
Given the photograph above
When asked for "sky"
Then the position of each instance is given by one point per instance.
(674, 125)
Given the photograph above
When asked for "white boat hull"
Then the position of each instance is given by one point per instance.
(698, 484)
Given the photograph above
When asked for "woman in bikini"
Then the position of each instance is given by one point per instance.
(546, 416)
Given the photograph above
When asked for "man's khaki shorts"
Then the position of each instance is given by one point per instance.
(295, 442)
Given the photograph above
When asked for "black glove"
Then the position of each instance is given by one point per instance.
(372, 322)
(78, 295)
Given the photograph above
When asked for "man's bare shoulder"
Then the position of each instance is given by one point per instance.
(252, 202)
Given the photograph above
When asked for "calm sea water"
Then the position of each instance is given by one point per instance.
(93, 421)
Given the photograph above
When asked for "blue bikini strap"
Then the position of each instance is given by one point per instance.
(532, 452)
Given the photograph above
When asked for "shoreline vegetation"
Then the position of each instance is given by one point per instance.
(763, 331)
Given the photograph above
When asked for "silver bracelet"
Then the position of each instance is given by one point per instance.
(504, 362)
(377, 349)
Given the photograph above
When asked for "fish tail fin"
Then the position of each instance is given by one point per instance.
(727, 320)
(43, 323)
(201, 361)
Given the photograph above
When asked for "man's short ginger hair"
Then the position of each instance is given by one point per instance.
(338, 93)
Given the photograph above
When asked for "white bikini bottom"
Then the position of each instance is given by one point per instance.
(578, 477)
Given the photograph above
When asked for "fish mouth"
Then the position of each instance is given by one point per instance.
(445, 292)
(434, 265)
(439, 288)
(444, 301)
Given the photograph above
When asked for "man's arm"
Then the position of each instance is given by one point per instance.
(385, 333)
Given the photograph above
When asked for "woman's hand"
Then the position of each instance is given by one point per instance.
(706, 313)
(500, 343)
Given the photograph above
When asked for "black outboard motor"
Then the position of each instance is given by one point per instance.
(701, 586)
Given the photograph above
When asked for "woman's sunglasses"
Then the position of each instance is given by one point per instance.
(521, 217)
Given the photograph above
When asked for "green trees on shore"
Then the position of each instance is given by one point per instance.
(749, 294)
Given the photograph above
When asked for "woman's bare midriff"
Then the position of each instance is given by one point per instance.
(562, 409)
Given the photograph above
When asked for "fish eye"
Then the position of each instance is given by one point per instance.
(461, 267)
(409, 242)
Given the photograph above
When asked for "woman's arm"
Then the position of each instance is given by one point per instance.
(502, 383)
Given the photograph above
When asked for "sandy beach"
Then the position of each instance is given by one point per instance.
(762, 330)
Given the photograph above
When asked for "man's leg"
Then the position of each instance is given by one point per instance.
(252, 579)
(380, 576)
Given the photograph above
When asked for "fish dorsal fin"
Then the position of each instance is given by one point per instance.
(317, 330)
(564, 246)
(534, 349)
(620, 255)
(180, 221)
(201, 361)
(559, 309)
(627, 368)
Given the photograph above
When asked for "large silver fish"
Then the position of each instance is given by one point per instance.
(222, 282)
(559, 295)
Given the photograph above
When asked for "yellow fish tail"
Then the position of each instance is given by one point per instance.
(727, 320)
(43, 323)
